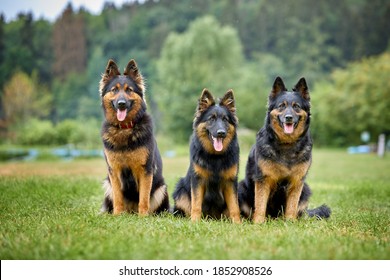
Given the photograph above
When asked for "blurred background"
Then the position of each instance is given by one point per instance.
(52, 56)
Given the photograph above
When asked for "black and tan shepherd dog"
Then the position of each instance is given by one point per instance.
(278, 163)
(210, 186)
(135, 182)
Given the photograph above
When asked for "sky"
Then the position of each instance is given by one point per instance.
(50, 9)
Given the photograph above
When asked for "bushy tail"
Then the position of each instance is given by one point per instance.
(322, 212)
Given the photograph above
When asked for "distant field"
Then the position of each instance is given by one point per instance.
(49, 210)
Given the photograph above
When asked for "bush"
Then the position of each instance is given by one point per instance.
(43, 133)
(36, 132)
(356, 99)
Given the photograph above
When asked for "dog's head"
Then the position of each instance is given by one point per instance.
(289, 111)
(215, 121)
(123, 97)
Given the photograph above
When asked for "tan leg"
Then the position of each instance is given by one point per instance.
(197, 196)
(117, 194)
(232, 203)
(145, 187)
(293, 194)
(262, 192)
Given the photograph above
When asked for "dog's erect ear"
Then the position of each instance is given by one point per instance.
(302, 88)
(228, 101)
(131, 69)
(111, 69)
(277, 87)
(133, 72)
(205, 101)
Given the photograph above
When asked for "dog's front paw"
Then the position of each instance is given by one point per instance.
(118, 210)
(258, 219)
(290, 218)
(143, 212)
(236, 219)
(195, 218)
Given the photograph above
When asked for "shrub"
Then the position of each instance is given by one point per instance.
(43, 133)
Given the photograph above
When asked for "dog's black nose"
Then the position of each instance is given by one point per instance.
(221, 133)
(289, 118)
(121, 104)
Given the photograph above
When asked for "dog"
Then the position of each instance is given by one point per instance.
(135, 183)
(278, 163)
(210, 185)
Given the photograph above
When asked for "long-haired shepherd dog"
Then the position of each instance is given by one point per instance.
(278, 163)
(210, 186)
(135, 182)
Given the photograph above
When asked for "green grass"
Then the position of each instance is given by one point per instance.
(55, 216)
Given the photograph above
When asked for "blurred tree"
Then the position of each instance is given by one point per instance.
(68, 96)
(296, 47)
(2, 70)
(290, 39)
(18, 50)
(69, 44)
(89, 105)
(355, 100)
(25, 47)
(205, 56)
(251, 93)
(2, 50)
(371, 24)
(43, 51)
(24, 99)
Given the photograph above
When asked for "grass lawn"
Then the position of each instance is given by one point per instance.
(49, 210)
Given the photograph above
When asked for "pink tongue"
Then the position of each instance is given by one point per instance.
(288, 128)
(217, 142)
(121, 115)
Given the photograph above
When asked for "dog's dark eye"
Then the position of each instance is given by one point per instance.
(282, 106)
(128, 90)
(115, 90)
(296, 107)
(212, 118)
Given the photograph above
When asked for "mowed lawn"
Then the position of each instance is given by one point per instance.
(50, 210)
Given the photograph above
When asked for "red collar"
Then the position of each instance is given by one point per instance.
(126, 125)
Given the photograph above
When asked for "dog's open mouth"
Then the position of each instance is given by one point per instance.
(121, 114)
(217, 143)
(288, 128)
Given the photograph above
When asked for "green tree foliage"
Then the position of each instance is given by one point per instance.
(271, 38)
(2, 48)
(69, 97)
(43, 51)
(90, 104)
(18, 52)
(356, 99)
(24, 47)
(251, 92)
(207, 55)
(83, 134)
(25, 99)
